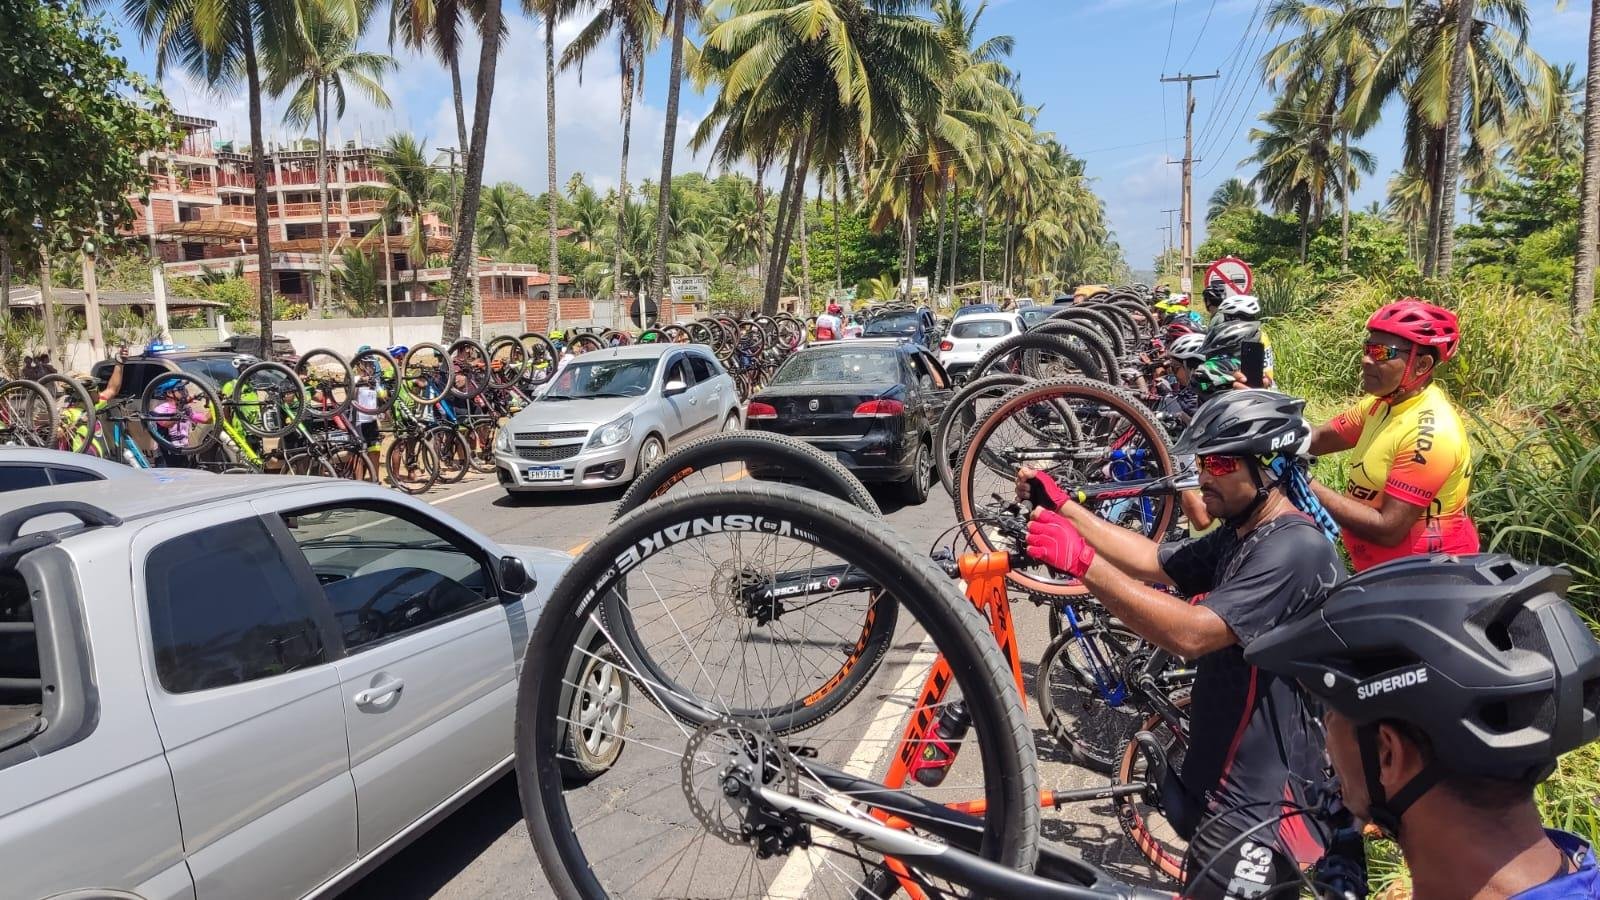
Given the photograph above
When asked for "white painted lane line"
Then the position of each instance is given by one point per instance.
(479, 488)
(794, 879)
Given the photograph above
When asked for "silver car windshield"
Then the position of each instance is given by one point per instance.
(603, 378)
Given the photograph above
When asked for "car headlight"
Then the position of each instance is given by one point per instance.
(502, 441)
(612, 434)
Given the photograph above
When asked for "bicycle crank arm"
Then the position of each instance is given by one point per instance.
(1109, 792)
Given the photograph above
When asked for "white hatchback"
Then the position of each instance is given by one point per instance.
(972, 336)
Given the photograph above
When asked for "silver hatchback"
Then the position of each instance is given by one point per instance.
(608, 414)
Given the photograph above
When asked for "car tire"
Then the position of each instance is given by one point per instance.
(732, 423)
(596, 717)
(650, 453)
(914, 490)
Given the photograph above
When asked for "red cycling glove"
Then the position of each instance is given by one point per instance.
(1053, 494)
(1056, 542)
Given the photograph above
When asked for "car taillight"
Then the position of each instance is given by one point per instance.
(947, 345)
(755, 409)
(878, 409)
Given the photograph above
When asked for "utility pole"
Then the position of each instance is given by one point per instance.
(1170, 231)
(1188, 161)
(1166, 249)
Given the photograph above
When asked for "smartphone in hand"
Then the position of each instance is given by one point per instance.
(1253, 362)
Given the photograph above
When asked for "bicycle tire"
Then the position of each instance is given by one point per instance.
(199, 389)
(402, 454)
(412, 368)
(1079, 716)
(807, 465)
(585, 343)
(1010, 826)
(541, 358)
(1133, 815)
(286, 385)
(474, 383)
(28, 413)
(328, 384)
(1016, 350)
(1090, 337)
(1060, 391)
(1100, 322)
(951, 419)
(77, 435)
(308, 463)
(454, 454)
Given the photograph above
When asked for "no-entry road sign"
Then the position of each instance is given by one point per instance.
(1233, 272)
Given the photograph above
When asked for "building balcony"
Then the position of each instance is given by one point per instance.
(278, 212)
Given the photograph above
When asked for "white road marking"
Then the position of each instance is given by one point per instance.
(483, 487)
(795, 878)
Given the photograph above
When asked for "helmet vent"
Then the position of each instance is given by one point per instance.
(1499, 636)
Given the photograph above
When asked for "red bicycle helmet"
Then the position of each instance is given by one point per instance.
(1421, 323)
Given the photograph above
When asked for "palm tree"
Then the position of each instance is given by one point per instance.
(219, 41)
(587, 211)
(635, 24)
(315, 65)
(437, 24)
(1408, 206)
(505, 207)
(1233, 194)
(1589, 193)
(410, 191)
(679, 11)
(1297, 167)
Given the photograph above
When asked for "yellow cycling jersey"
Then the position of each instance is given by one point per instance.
(1415, 451)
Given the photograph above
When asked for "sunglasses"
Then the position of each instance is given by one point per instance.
(1219, 466)
(1382, 352)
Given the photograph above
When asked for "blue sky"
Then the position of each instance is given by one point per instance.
(1093, 65)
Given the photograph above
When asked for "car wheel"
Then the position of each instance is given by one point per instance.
(650, 453)
(596, 718)
(732, 424)
(914, 490)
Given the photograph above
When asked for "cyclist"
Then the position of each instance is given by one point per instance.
(1253, 741)
(1180, 400)
(1212, 296)
(1449, 685)
(180, 417)
(830, 326)
(1408, 487)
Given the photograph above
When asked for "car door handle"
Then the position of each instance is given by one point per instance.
(380, 692)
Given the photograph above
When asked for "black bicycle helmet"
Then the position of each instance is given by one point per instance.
(1214, 293)
(1481, 653)
(1228, 338)
(1250, 422)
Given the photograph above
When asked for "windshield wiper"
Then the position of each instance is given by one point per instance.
(605, 394)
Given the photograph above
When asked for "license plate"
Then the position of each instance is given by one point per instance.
(545, 473)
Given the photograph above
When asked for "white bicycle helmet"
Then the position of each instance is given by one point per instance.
(1187, 348)
(1240, 306)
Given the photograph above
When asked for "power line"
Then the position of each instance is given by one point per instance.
(1246, 111)
(1263, 35)
(1231, 80)
(1171, 26)
(1198, 37)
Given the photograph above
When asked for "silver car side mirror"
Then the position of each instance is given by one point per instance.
(674, 388)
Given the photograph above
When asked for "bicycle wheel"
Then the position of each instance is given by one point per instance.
(28, 415)
(180, 412)
(1097, 346)
(480, 434)
(1083, 695)
(1100, 322)
(308, 463)
(680, 780)
(585, 343)
(75, 413)
(411, 464)
(508, 359)
(963, 411)
(1146, 825)
(330, 385)
(450, 448)
(375, 370)
(541, 359)
(267, 399)
(353, 463)
(471, 364)
(1079, 431)
(424, 373)
(1037, 355)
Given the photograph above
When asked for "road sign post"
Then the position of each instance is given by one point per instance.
(1233, 272)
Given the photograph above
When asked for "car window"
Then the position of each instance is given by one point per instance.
(384, 575)
(840, 365)
(17, 478)
(935, 371)
(603, 378)
(60, 475)
(225, 608)
(21, 690)
(896, 324)
(919, 371)
(990, 328)
(219, 370)
(679, 370)
(704, 368)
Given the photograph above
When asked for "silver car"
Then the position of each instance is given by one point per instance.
(608, 414)
(253, 686)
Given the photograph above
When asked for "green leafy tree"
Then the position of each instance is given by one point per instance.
(73, 125)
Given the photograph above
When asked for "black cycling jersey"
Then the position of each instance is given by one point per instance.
(1252, 736)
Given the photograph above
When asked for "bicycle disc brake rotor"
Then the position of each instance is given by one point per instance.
(723, 762)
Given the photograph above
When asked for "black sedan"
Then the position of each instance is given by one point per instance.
(871, 404)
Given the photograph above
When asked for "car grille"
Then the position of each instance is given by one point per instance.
(549, 435)
(548, 454)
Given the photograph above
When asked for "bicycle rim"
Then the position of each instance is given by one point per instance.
(1145, 825)
(1082, 432)
(1085, 701)
(411, 464)
(656, 822)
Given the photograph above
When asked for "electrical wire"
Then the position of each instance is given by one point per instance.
(1199, 36)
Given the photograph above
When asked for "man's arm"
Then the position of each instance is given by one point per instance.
(113, 384)
(1387, 526)
(1160, 618)
(1129, 551)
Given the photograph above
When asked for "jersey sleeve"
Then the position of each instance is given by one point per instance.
(1192, 563)
(1348, 424)
(1281, 577)
(1423, 462)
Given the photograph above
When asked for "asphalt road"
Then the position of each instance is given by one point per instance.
(482, 851)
